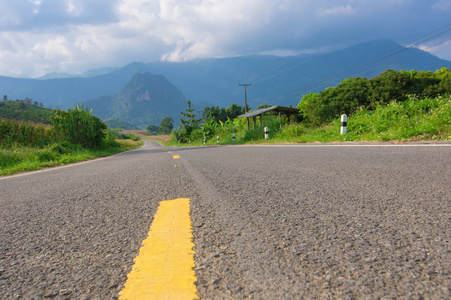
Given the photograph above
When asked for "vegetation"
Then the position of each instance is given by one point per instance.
(25, 110)
(393, 106)
(78, 126)
(153, 129)
(75, 135)
(166, 126)
(217, 114)
(353, 94)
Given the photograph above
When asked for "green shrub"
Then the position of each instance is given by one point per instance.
(78, 126)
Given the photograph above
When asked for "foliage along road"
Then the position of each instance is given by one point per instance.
(268, 222)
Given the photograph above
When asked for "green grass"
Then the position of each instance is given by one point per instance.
(18, 159)
(414, 119)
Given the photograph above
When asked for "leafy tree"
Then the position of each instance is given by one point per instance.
(166, 125)
(222, 114)
(234, 111)
(153, 129)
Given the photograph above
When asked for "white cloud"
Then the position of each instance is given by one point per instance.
(337, 10)
(39, 36)
(53, 49)
(444, 5)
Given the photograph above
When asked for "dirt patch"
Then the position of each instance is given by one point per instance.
(143, 134)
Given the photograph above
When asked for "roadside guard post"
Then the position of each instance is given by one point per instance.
(266, 133)
(233, 138)
(217, 139)
(344, 124)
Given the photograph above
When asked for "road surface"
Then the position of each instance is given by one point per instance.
(306, 221)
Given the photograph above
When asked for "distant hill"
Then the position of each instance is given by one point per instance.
(21, 110)
(147, 99)
(275, 80)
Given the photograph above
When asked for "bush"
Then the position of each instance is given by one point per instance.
(78, 126)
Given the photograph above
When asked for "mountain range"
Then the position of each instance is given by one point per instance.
(145, 93)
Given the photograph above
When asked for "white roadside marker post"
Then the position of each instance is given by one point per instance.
(344, 124)
(204, 141)
(217, 139)
(266, 133)
(233, 138)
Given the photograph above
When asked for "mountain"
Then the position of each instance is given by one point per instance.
(146, 99)
(206, 82)
(284, 80)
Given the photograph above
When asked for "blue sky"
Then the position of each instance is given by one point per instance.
(72, 36)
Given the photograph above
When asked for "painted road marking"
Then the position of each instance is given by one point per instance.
(176, 156)
(164, 268)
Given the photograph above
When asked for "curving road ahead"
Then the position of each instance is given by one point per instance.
(269, 222)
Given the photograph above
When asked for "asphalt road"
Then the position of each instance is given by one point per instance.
(269, 222)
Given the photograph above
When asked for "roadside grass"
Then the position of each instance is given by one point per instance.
(412, 120)
(26, 158)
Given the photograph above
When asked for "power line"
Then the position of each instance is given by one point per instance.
(379, 59)
(262, 76)
(366, 71)
(407, 48)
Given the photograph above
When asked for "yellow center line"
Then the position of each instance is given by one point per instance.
(164, 268)
(176, 156)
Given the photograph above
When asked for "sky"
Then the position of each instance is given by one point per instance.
(72, 36)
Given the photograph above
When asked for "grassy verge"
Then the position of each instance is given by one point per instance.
(26, 158)
(414, 119)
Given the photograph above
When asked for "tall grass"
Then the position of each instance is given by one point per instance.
(24, 133)
(27, 146)
(428, 118)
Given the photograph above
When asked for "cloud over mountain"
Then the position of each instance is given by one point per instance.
(41, 36)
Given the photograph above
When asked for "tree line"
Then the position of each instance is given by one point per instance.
(354, 94)
(25, 110)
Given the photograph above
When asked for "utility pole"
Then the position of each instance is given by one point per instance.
(245, 100)
(245, 96)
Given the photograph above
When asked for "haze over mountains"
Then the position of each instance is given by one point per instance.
(163, 87)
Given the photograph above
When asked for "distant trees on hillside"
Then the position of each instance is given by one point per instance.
(25, 110)
(222, 114)
(353, 93)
